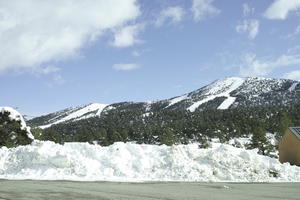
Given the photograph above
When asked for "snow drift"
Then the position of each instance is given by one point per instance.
(133, 162)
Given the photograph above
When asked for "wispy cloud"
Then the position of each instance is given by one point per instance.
(280, 9)
(251, 27)
(136, 53)
(128, 35)
(254, 66)
(247, 10)
(125, 67)
(46, 70)
(294, 75)
(36, 32)
(203, 9)
(172, 14)
(57, 80)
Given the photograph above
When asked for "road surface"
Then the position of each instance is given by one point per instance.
(15, 190)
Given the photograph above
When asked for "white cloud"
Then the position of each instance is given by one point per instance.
(247, 10)
(45, 70)
(251, 27)
(174, 14)
(280, 9)
(125, 67)
(127, 36)
(203, 9)
(35, 32)
(294, 75)
(253, 66)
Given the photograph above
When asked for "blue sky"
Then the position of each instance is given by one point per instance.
(61, 53)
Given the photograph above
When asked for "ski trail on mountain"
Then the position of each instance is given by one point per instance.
(221, 88)
(80, 114)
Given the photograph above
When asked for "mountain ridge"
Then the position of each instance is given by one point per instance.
(225, 93)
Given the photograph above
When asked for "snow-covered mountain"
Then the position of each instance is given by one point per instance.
(224, 93)
(236, 92)
(69, 114)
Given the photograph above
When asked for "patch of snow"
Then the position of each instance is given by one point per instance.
(293, 86)
(46, 126)
(148, 106)
(227, 103)
(177, 100)
(15, 115)
(109, 107)
(193, 107)
(271, 138)
(80, 114)
(241, 142)
(147, 114)
(215, 140)
(100, 109)
(141, 162)
(220, 88)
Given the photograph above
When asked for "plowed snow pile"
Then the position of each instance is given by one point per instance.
(133, 162)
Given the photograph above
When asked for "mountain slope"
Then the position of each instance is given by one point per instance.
(243, 92)
(224, 93)
(69, 114)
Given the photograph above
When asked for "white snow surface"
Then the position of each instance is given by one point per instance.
(134, 162)
(177, 100)
(293, 86)
(220, 88)
(15, 115)
(80, 114)
(227, 103)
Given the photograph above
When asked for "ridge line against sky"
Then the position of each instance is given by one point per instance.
(61, 53)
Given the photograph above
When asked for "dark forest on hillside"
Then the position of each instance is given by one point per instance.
(176, 126)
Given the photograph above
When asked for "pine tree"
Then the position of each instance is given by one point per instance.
(259, 140)
(11, 132)
(168, 137)
(284, 122)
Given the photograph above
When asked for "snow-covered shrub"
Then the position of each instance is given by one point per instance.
(13, 129)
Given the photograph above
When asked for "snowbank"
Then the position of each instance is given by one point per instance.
(133, 162)
(15, 115)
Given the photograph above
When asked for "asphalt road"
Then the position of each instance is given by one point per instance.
(14, 190)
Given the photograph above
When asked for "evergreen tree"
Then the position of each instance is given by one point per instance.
(11, 132)
(37, 133)
(284, 122)
(259, 140)
(168, 137)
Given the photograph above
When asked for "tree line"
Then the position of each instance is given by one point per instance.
(177, 126)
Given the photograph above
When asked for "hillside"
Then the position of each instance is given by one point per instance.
(227, 93)
(69, 114)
